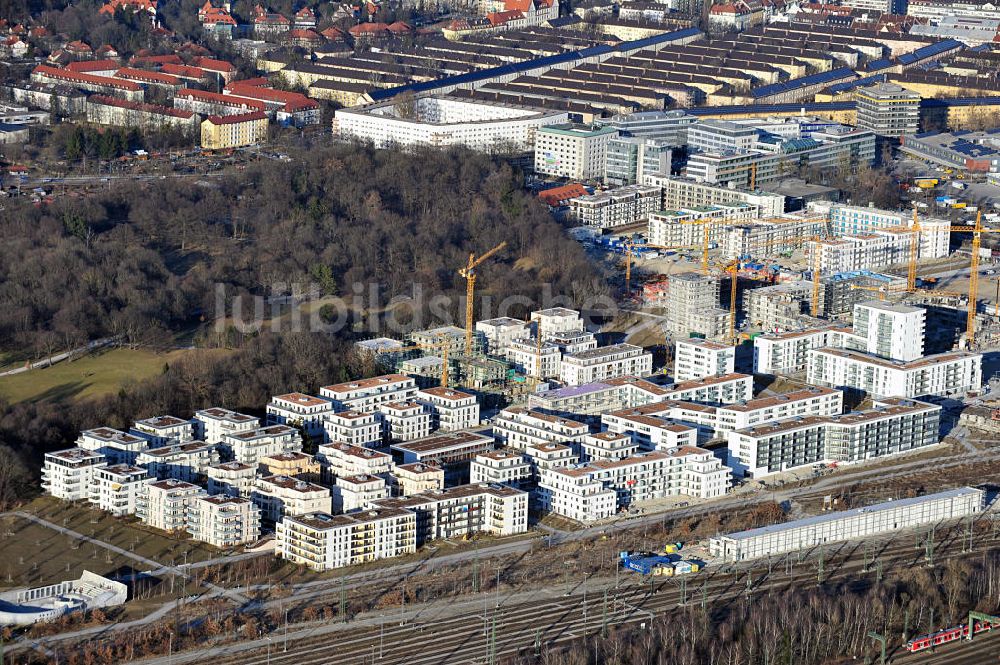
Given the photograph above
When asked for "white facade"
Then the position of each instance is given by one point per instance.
(940, 374)
(606, 362)
(68, 474)
(114, 488)
(501, 331)
(250, 446)
(890, 330)
(445, 121)
(183, 461)
(356, 492)
(210, 425)
(357, 428)
(500, 467)
(788, 353)
(681, 193)
(451, 409)
(519, 428)
(232, 479)
(223, 521)
(117, 446)
(533, 360)
(697, 358)
(872, 251)
(556, 321)
(366, 395)
(277, 496)
(406, 421)
(299, 410)
(163, 504)
(416, 478)
(342, 459)
(572, 151)
(163, 430)
(323, 541)
(466, 509)
(607, 446)
(857, 220)
(615, 207)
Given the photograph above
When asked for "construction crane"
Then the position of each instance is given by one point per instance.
(753, 176)
(911, 273)
(469, 273)
(733, 269)
(817, 264)
(706, 227)
(970, 324)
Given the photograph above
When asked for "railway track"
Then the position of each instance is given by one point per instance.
(466, 631)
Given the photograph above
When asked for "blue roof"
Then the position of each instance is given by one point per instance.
(742, 109)
(860, 83)
(803, 82)
(383, 94)
(929, 51)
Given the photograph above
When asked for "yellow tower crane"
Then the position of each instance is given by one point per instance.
(733, 269)
(911, 273)
(469, 273)
(817, 264)
(970, 323)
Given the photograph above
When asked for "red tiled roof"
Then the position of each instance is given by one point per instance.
(147, 76)
(399, 28)
(79, 46)
(299, 33)
(213, 65)
(139, 106)
(172, 59)
(92, 65)
(233, 119)
(136, 5)
(293, 101)
(217, 98)
(65, 75)
(368, 28)
(553, 196)
(499, 18)
(334, 34)
(183, 70)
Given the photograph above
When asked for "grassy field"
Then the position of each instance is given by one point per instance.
(94, 375)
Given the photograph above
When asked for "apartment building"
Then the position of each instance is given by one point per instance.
(935, 234)
(500, 332)
(605, 362)
(629, 159)
(250, 446)
(106, 110)
(342, 459)
(68, 474)
(572, 150)
(102, 85)
(716, 390)
(787, 353)
(365, 395)
(556, 321)
(693, 306)
(163, 504)
(530, 359)
(116, 446)
(686, 227)
(871, 251)
(322, 541)
(607, 446)
(697, 358)
(804, 402)
(224, 132)
(893, 426)
(115, 488)
(277, 496)
(212, 103)
(223, 521)
(464, 510)
(416, 478)
(686, 194)
(888, 109)
(951, 373)
(574, 342)
(357, 492)
(518, 428)
(298, 465)
(453, 448)
(211, 425)
(784, 306)
(579, 492)
(596, 398)
(623, 206)
(650, 428)
(890, 330)
(183, 461)
(405, 421)
(501, 467)
(770, 236)
(451, 410)
(163, 430)
(300, 410)
(232, 479)
(356, 428)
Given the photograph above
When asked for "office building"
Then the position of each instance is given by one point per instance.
(668, 126)
(630, 159)
(888, 110)
(572, 151)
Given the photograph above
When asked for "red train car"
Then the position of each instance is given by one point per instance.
(945, 636)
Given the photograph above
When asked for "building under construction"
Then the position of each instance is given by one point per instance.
(693, 306)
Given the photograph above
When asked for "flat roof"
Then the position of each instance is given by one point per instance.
(364, 384)
(301, 399)
(830, 517)
(443, 442)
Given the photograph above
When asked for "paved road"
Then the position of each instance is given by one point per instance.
(59, 357)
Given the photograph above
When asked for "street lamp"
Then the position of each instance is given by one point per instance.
(268, 650)
(284, 648)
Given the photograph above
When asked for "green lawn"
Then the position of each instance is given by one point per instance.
(95, 375)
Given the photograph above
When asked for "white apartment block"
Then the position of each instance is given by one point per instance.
(299, 410)
(117, 446)
(277, 496)
(518, 428)
(527, 357)
(788, 352)
(232, 479)
(500, 467)
(161, 430)
(890, 330)
(68, 474)
(416, 478)
(501, 331)
(935, 234)
(451, 409)
(693, 306)
(163, 504)
(183, 461)
(685, 227)
(605, 362)
(249, 447)
(356, 492)
(727, 389)
(466, 509)
(406, 421)
(542, 456)
(872, 251)
(572, 151)
(893, 426)
(210, 425)
(574, 342)
(366, 395)
(115, 488)
(323, 541)
(342, 459)
(446, 121)
(770, 236)
(578, 492)
(681, 193)
(650, 428)
(223, 521)
(607, 446)
(556, 321)
(697, 358)
(801, 403)
(356, 428)
(621, 206)
(951, 373)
